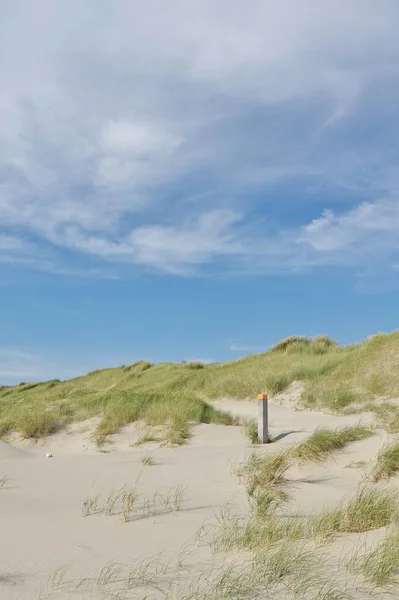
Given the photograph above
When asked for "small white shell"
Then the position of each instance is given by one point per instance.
(49, 455)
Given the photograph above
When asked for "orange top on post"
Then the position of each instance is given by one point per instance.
(262, 396)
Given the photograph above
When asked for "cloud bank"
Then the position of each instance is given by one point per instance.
(204, 137)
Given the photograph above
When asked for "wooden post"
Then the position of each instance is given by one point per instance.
(263, 433)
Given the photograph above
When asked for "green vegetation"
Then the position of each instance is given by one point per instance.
(323, 442)
(300, 343)
(147, 460)
(147, 436)
(251, 431)
(381, 565)
(177, 432)
(371, 508)
(263, 476)
(364, 372)
(130, 504)
(260, 472)
(387, 463)
(345, 379)
(285, 547)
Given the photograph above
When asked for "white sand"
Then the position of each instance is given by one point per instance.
(42, 528)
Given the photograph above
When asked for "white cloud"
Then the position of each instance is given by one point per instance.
(118, 120)
(10, 243)
(173, 248)
(141, 138)
(368, 231)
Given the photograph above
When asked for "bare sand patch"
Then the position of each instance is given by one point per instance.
(41, 522)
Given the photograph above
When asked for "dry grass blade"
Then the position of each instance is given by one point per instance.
(179, 497)
(125, 502)
(129, 501)
(114, 499)
(3, 481)
(90, 505)
(387, 463)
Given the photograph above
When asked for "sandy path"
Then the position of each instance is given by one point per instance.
(42, 528)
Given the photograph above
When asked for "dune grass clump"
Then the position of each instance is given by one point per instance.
(130, 504)
(137, 367)
(195, 365)
(280, 571)
(392, 426)
(147, 460)
(177, 433)
(300, 343)
(148, 436)
(380, 566)
(251, 431)
(38, 424)
(335, 398)
(362, 372)
(387, 463)
(293, 570)
(260, 472)
(370, 509)
(174, 409)
(337, 379)
(323, 442)
(293, 342)
(264, 528)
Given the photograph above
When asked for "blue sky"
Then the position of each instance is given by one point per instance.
(194, 180)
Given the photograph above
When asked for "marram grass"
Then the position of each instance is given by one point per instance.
(335, 379)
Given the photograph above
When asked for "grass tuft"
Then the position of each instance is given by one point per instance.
(195, 365)
(380, 566)
(125, 502)
(323, 442)
(251, 431)
(146, 437)
(38, 424)
(387, 463)
(147, 460)
(260, 472)
(90, 505)
(138, 367)
(177, 433)
(300, 343)
(370, 509)
(339, 379)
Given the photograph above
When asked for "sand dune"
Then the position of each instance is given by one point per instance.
(41, 524)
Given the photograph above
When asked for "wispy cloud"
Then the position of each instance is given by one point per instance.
(366, 233)
(19, 365)
(150, 138)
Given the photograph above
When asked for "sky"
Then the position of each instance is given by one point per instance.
(194, 179)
